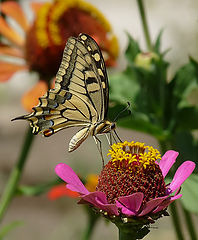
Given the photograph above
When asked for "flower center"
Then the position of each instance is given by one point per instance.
(54, 24)
(132, 168)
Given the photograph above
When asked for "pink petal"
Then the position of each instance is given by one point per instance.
(99, 200)
(131, 203)
(150, 205)
(66, 173)
(165, 203)
(91, 198)
(13, 9)
(111, 209)
(125, 210)
(167, 161)
(175, 197)
(182, 173)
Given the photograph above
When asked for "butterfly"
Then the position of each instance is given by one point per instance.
(80, 97)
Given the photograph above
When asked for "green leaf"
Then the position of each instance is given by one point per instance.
(157, 43)
(168, 180)
(141, 122)
(151, 99)
(124, 86)
(195, 64)
(132, 50)
(186, 145)
(115, 109)
(187, 118)
(190, 194)
(186, 80)
(8, 228)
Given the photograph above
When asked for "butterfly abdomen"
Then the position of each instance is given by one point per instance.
(78, 138)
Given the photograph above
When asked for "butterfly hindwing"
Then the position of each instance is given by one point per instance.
(56, 112)
(80, 96)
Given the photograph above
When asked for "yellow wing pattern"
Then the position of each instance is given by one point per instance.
(80, 96)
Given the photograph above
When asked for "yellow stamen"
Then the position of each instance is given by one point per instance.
(134, 152)
(49, 15)
(41, 25)
(87, 7)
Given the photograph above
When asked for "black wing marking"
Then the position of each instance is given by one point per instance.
(96, 54)
(79, 74)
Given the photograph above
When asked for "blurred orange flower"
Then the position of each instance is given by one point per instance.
(30, 98)
(61, 190)
(43, 42)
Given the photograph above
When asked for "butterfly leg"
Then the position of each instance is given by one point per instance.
(109, 139)
(99, 146)
(117, 136)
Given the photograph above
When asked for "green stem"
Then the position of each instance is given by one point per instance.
(144, 24)
(15, 175)
(190, 225)
(132, 231)
(92, 219)
(176, 221)
(126, 235)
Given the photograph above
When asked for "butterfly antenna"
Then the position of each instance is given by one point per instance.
(126, 108)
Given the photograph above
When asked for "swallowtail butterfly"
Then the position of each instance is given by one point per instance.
(80, 97)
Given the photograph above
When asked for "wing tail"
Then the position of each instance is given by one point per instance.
(24, 117)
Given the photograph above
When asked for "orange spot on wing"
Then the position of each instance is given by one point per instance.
(48, 132)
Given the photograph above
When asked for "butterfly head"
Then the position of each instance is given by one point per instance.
(104, 127)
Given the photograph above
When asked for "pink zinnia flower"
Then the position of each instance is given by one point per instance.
(132, 182)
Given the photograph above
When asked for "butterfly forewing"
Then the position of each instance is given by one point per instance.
(80, 96)
(99, 67)
(82, 71)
